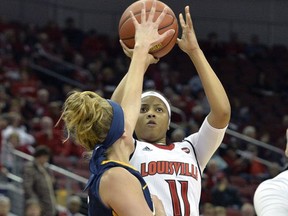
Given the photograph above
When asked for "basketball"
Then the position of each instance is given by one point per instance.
(127, 29)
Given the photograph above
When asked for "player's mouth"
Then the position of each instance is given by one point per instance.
(151, 123)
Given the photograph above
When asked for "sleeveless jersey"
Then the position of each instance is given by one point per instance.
(95, 205)
(173, 172)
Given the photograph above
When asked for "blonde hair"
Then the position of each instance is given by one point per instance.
(87, 118)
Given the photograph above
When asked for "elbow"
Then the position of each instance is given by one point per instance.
(225, 114)
(226, 117)
(220, 118)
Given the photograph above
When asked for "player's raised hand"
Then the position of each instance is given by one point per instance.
(147, 30)
(188, 41)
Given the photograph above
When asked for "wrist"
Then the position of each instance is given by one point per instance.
(141, 49)
(195, 52)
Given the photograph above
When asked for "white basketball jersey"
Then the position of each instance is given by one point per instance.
(169, 174)
(271, 196)
(172, 171)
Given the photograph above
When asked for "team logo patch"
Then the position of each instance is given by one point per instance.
(147, 149)
(186, 150)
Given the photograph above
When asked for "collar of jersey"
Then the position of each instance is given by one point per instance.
(119, 162)
(167, 147)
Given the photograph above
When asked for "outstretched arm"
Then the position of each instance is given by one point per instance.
(146, 37)
(118, 93)
(220, 112)
(128, 95)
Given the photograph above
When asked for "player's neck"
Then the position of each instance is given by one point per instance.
(119, 153)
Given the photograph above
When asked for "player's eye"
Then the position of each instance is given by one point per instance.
(159, 109)
(143, 109)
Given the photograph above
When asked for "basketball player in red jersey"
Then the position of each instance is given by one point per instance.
(173, 170)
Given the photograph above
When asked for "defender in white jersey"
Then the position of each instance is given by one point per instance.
(173, 171)
(271, 196)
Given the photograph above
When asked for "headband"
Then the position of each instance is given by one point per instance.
(158, 95)
(115, 132)
(117, 125)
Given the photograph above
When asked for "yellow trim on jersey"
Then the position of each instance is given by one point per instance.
(114, 213)
(145, 186)
(119, 162)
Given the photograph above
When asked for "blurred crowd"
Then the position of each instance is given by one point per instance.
(39, 65)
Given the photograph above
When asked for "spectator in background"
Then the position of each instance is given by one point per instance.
(32, 208)
(7, 147)
(51, 137)
(178, 135)
(273, 170)
(220, 211)
(208, 209)
(8, 158)
(211, 172)
(237, 164)
(205, 191)
(91, 46)
(54, 110)
(26, 86)
(224, 194)
(5, 206)
(247, 209)
(74, 203)
(41, 104)
(256, 168)
(15, 124)
(38, 182)
(221, 163)
(250, 131)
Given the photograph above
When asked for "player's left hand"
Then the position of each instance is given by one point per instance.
(188, 41)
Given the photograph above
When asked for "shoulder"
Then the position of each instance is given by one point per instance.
(116, 181)
(116, 176)
(283, 175)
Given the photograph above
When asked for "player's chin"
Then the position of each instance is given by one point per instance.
(151, 137)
